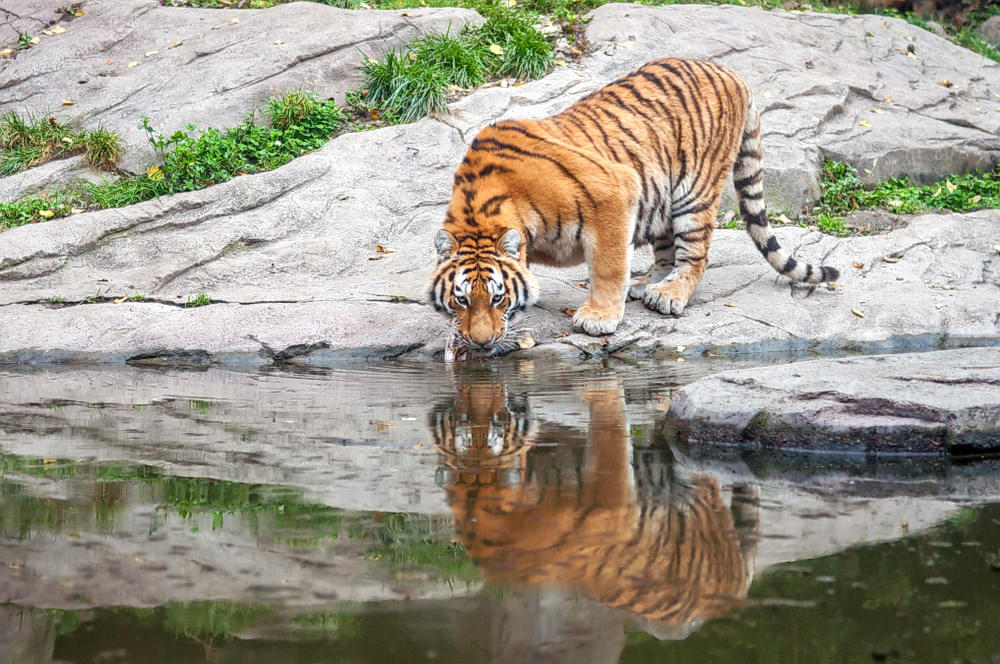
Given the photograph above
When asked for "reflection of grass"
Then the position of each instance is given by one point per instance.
(408, 541)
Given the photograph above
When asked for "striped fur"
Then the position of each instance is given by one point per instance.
(640, 161)
(637, 535)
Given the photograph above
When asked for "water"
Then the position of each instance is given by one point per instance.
(517, 511)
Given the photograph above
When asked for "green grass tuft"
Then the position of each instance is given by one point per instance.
(28, 142)
(199, 300)
(406, 85)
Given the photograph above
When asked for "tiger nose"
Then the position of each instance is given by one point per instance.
(481, 335)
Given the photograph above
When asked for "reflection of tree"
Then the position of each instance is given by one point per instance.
(637, 536)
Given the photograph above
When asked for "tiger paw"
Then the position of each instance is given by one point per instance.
(595, 322)
(663, 300)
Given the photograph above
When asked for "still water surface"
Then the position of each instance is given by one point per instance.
(519, 511)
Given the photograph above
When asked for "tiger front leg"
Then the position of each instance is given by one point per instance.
(692, 236)
(608, 250)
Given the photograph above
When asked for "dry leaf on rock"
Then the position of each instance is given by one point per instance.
(857, 313)
(569, 312)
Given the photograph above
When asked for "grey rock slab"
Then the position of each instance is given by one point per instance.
(936, 402)
(119, 62)
(18, 17)
(56, 174)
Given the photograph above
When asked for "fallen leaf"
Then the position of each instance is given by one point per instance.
(7, 51)
(149, 53)
(406, 14)
(526, 342)
(154, 173)
(234, 21)
(581, 284)
(175, 44)
(946, 83)
(134, 63)
(996, 247)
(858, 265)
(560, 335)
(865, 123)
(79, 12)
(496, 49)
(783, 219)
(55, 30)
(110, 62)
(975, 199)
(418, 446)
(75, 210)
(891, 259)
(123, 298)
(879, 111)
(896, 203)
(729, 304)
(48, 214)
(909, 54)
(857, 313)
(68, 102)
(888, 100)
(949, 186)
(278, 42)
(569, 312)
(767, 94)
(36, 40)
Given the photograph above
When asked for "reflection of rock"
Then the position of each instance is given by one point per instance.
(25, 637)
(660, 546)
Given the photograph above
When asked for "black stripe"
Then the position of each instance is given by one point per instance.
(790, 265)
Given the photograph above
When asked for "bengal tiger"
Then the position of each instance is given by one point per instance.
(640, 536)
(641, 161)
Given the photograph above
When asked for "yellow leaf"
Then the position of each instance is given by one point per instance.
(858, 265)
(526, 341)
(175, 44)
(68, 102)
(865, 123)
(154, 173)
(857, 313)
(938, 192)
(909, 54)
(121, 299)
(36, 40)
(878, 111)
(79, 12)
(48, 214)
(58, 30)
(888, 100)
(949, 186)
(149, 53)
(896, 203)
(134, 63)
(976, 199)
(278, 42)
(496, 49)
(766, 94)
(946, 83)
(7, 51)
(234, 21)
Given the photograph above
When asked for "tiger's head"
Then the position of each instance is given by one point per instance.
(481, 283)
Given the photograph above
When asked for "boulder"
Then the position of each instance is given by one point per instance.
(288, 258)
(944, 402)
(990, 30)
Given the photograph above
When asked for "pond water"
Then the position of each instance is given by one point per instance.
(516, 511)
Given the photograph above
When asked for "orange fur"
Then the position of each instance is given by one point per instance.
(640, 161)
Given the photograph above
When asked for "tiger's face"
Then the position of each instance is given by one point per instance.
(481, 284)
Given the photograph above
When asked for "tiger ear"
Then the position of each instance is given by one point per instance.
(510, 242)
(445, 243)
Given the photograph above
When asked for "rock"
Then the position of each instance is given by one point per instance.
(288, 257)
(27, 17)
(57, 174)
(990, 30)
(938, 403)
(128, 59)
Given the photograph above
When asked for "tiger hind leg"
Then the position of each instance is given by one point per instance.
(663, 263)
(692, 235)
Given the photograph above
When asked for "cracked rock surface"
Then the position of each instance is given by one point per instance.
(937, 402)
(288, 257)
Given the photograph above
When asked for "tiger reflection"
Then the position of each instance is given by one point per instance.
(639, 537)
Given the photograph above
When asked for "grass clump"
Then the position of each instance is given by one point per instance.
(199, 300)
(406, 85)
(300, 123)
(41, 207)
(28, 142)
(843, 192)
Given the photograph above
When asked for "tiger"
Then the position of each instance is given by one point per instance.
(635, 534)
(640, 161)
